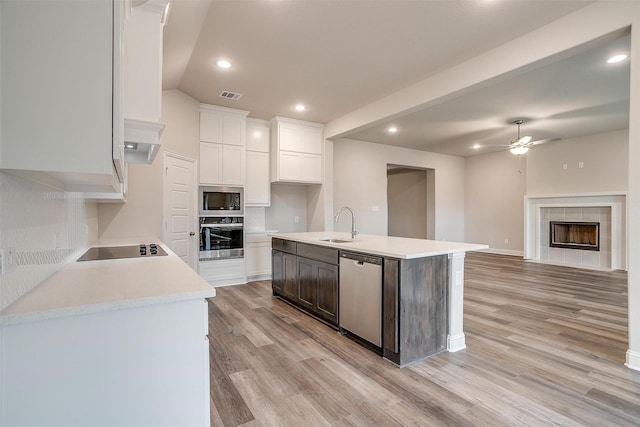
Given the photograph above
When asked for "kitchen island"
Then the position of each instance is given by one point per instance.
(421, 286)
(108, 342)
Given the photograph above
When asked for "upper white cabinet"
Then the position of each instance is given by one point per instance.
(257, 191)
(296, 151)
(222, 125)
(61, 92)
(143, 80)
(222, 145)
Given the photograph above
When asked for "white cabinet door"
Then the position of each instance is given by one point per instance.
(148, 363)
(57, 84)
(233, 129)
(289, 166)
(257, 191)
(311, 140)
(222, 125)
(211, 163)
(258, 256)
(257, 137)
(232, 165)
(311, 168)
(289, 137)
(296, 151)
(211, 124)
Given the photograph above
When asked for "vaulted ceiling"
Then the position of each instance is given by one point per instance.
(337, 56)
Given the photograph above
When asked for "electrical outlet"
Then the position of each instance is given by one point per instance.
(8, 260)
(580, 165)
(565, 166)
(296, 219)
(506, 241)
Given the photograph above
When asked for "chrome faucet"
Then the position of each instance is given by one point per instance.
(353, 221)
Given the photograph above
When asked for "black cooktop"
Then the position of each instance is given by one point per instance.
(116, 252)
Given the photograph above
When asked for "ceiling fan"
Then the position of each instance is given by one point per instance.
(521, 144)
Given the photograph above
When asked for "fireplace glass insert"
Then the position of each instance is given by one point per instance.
(575, 235)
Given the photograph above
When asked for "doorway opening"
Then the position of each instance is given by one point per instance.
(410, 202)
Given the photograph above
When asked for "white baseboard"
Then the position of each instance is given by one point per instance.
(633, 360)
(456, 342)
(503, 252)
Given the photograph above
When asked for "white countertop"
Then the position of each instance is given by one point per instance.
(393, 247)
(105, 285)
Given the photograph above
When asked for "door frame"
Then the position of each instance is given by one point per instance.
(194, 202)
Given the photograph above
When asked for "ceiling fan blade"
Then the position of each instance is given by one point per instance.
(543, 141)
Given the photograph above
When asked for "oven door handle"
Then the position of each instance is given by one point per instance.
(227, 226)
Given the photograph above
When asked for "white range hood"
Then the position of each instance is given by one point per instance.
(141, 140)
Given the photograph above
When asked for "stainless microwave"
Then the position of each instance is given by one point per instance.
(221, 201)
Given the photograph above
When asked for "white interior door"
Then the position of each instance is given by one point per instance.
(180, 232)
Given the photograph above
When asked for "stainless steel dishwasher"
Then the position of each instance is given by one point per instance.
(361, 296)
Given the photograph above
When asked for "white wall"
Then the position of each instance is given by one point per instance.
(604, 158)
(288, 201)
(360, 182)
(494, 209)
(495, 188)
(142, 214)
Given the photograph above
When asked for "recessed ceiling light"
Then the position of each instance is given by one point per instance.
(392, 129)
(617, 58)
(476, 146)
(300, 107)
(223, 64)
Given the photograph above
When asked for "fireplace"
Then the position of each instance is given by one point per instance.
(574, 235)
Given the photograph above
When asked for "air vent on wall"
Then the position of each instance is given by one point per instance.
(230, 95)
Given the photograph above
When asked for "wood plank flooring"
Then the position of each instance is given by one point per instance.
(545, 346)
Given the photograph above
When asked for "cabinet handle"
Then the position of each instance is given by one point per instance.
(192, 233)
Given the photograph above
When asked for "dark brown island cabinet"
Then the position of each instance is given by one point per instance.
(307, 277)
(414, 296)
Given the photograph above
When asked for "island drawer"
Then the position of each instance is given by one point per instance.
(318, 253)
(283, 245)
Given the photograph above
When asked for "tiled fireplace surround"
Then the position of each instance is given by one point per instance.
(607, 209)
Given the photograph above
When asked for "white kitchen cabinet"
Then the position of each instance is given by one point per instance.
(258, 256)
(222, 125)
(233, 162)
(296, 151)
(210, 163)
(143, 366)
(257, 190)
(61, 92)
(222, 145)
(221, 164)
(300, 167)
(223, 272)
(257, 135)
(143, 38)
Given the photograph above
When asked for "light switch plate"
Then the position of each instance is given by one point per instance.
(8, 262)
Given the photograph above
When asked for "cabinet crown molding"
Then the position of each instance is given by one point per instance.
(209, 107)
(157, 6)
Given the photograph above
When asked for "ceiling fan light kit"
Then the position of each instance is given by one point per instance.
(520, 145)
(519, 149)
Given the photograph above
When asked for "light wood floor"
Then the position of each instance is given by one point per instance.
(545, 346)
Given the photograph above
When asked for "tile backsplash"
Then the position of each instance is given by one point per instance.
(46, 227)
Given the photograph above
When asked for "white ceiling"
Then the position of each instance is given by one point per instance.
(337, 56)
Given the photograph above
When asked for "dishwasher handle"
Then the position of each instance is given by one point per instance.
(361, 259)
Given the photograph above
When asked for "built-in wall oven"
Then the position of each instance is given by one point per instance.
(221, 237)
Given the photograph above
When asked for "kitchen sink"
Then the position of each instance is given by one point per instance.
(335, 240)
